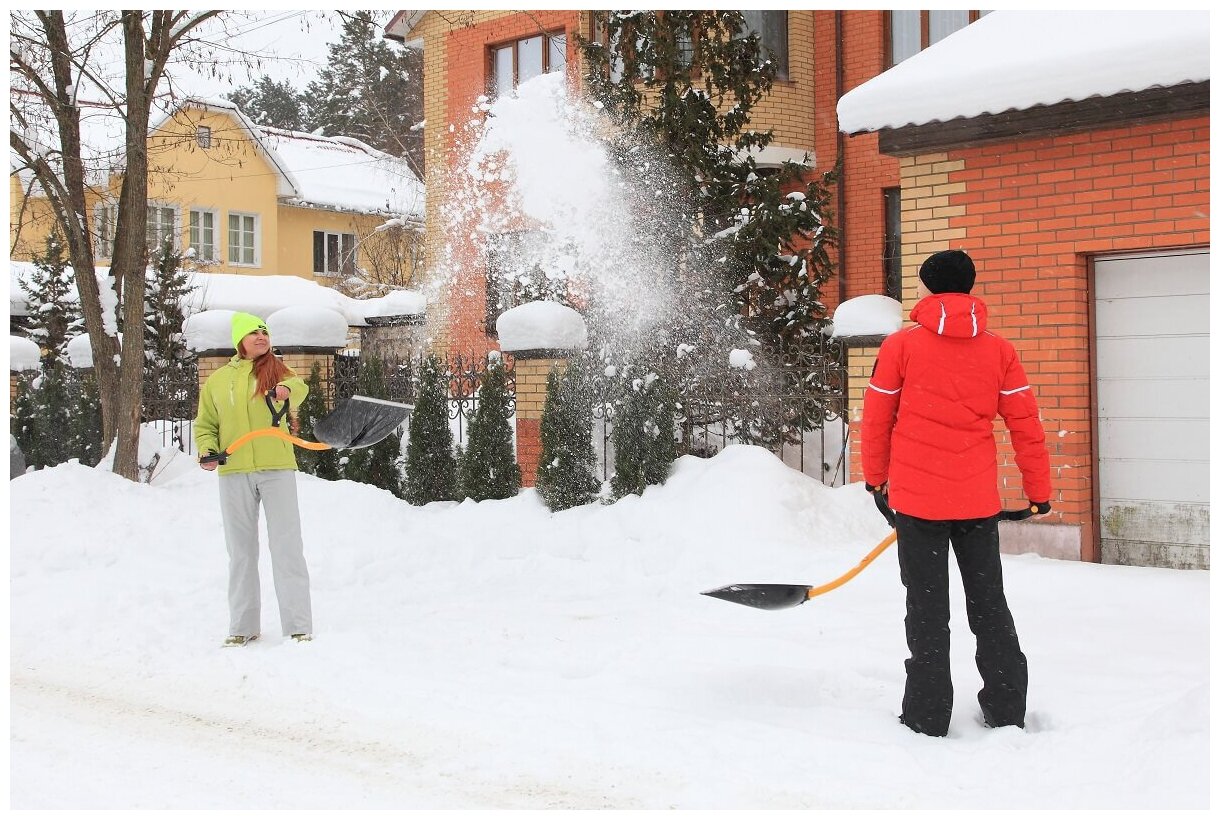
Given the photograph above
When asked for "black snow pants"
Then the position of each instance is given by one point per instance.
(923, 548)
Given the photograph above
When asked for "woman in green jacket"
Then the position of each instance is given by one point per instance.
(232, 403)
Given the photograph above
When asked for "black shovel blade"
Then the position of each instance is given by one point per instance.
(763, 596)
(360, 422)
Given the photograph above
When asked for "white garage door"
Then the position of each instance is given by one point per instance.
(1152, 408)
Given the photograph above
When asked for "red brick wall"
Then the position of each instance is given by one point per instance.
(467, 75)
(865, 172)
(1031, 213)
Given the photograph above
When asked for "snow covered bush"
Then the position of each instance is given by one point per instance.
(567, 462)
(644, 444)
(488, 468)
(431, 469)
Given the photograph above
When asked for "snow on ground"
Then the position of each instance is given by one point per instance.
(495, 655)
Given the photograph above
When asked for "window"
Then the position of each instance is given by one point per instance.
(892, 255)
(243, 239)
(160, 226)
(203, 235)
(203, 136)
(104, 218)
(913, 31)
(522, 267)
(334, 253)
(514, 63)
(772, 30)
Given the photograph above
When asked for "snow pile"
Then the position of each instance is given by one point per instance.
(742, 360)
(80, 351)
(209, 330)
(541, 326)
(868, 315)
(23, 354)
(307, 327)
(496, 655)
(1020, 59)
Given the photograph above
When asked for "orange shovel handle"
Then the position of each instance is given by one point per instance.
(864, 562)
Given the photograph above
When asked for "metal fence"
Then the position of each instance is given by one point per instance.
(797, 409)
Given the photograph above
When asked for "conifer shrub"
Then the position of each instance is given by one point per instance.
(644, 443)
(431, 468)
(488, 468)
(567, 462)
(322, 463)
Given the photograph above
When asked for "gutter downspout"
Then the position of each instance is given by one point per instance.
(841, 147)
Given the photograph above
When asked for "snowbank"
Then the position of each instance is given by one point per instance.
(23, 354)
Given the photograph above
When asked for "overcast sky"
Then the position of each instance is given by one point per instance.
(292, 46)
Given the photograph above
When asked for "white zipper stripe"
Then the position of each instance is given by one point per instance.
(974, 320)
(886, 392)
(940, 331)
(1010, 392)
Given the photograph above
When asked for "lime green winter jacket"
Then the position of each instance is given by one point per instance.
(230, 406)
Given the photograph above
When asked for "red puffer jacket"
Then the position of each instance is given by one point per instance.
(928, 411)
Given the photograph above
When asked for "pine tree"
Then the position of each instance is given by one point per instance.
(271, 104)
(25, 413)
(431, 470)
(377, 465)
(644, 444)
(370, 90)
(168, 365)
(322, 463)
(50, 418)
(488, 468)
(751, 250)
(567, 462)
(55, 316)
(85, 421)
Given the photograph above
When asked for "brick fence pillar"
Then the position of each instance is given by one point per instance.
(532, 368)
(861, 353)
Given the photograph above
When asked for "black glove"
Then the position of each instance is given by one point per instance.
(881, 497)
(1039, 507)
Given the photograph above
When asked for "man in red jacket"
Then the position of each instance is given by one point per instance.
(927, 443)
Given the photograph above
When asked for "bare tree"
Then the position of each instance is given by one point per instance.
(61, 64)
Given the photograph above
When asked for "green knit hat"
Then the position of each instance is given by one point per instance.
(243, 324)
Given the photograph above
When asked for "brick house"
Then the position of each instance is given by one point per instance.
(1079, 182)
(896, 202)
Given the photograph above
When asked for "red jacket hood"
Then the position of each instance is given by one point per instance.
(958, 315)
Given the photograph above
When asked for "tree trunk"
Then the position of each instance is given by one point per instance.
(130, 258)
(73, 217)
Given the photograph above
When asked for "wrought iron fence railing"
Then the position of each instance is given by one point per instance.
(797, 409)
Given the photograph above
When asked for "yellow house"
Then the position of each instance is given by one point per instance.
(240, 198)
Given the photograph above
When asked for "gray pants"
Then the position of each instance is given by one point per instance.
(240, 495)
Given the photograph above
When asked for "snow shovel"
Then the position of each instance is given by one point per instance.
(360, 421)
(785, 596)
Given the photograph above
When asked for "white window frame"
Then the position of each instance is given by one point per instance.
(105, 218)
(175, 216)
(194, 234)
(203, 136)
(346, 263)
(552, 59)
(257, 245)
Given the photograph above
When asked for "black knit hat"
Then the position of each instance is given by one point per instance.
(948, 272)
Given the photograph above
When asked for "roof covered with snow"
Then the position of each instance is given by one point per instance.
(328, 172)
(1015, 60)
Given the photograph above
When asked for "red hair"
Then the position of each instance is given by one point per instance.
(270, 371)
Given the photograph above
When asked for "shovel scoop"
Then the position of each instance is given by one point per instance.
(360, 421)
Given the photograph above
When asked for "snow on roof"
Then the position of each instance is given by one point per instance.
(329, 172)
(1014, 60)
(340, 172)
(260, 295)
